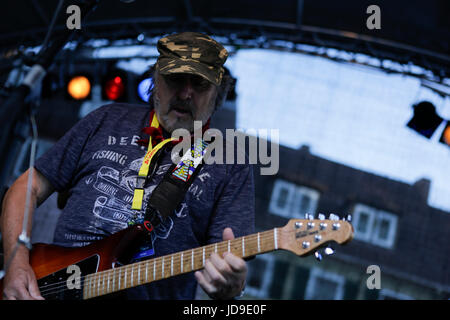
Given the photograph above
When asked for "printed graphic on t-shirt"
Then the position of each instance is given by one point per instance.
(115, 190)
(111, 190)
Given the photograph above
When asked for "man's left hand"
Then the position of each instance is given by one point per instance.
(223, 277)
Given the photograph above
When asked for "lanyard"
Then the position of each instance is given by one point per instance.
(138, 195)
(184, 171)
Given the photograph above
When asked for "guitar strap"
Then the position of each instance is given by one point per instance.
(170, 192)
(167, 196)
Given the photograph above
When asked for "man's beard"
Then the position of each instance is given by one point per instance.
(170, 121)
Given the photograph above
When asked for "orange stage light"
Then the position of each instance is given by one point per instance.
(79, 87)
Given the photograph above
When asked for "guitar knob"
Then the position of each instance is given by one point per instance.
(318, 255)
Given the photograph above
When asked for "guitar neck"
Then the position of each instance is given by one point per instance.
(136, 274)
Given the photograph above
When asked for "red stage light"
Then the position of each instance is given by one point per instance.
(114, 88)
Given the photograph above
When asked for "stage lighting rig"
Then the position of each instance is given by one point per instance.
(115, 85)
(144, 86)
(425, 120)
(79, 87)
(445, 137)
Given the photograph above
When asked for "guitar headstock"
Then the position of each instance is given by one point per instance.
(303, 236)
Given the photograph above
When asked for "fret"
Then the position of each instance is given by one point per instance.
(89, 286)
(108, 282)
(114, 279)
(131, 276)
(103, 283)
(92, 285)
(85, 288)
(98, 285)
(259, 244)
(87, 282)
(99, 288)
(119, 278)
(275, 238)
(139, 274)
(181, 262)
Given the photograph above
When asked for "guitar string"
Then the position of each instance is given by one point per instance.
(158, 261)
(107, 273)
(198, 252)
(264, 235)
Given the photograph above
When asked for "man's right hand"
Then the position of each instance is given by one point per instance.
(20, 280)
(20, 283)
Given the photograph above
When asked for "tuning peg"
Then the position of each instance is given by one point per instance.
(321, 216)
(332, 216)
(328, 251)
(318, 255)
(349, 218)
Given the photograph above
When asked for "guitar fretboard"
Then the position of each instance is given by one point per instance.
(132, 275)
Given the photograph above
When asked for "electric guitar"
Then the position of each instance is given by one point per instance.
(92, 271)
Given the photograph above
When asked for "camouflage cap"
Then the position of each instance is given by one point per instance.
(193, 53)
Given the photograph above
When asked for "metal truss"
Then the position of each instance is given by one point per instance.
(392, 57)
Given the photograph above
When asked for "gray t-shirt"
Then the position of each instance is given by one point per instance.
(98, 161)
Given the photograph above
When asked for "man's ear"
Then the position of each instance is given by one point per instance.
(222, 92)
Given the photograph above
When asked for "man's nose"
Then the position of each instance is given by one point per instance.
(186, 90)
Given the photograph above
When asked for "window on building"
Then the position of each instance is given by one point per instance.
(324, 285)
(260, 274)
(292, 201)
(374, 226)
(301, 276)
(387, 294)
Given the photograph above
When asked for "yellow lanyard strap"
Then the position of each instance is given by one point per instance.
(138, 195)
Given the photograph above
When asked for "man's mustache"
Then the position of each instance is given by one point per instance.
(184, 105)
